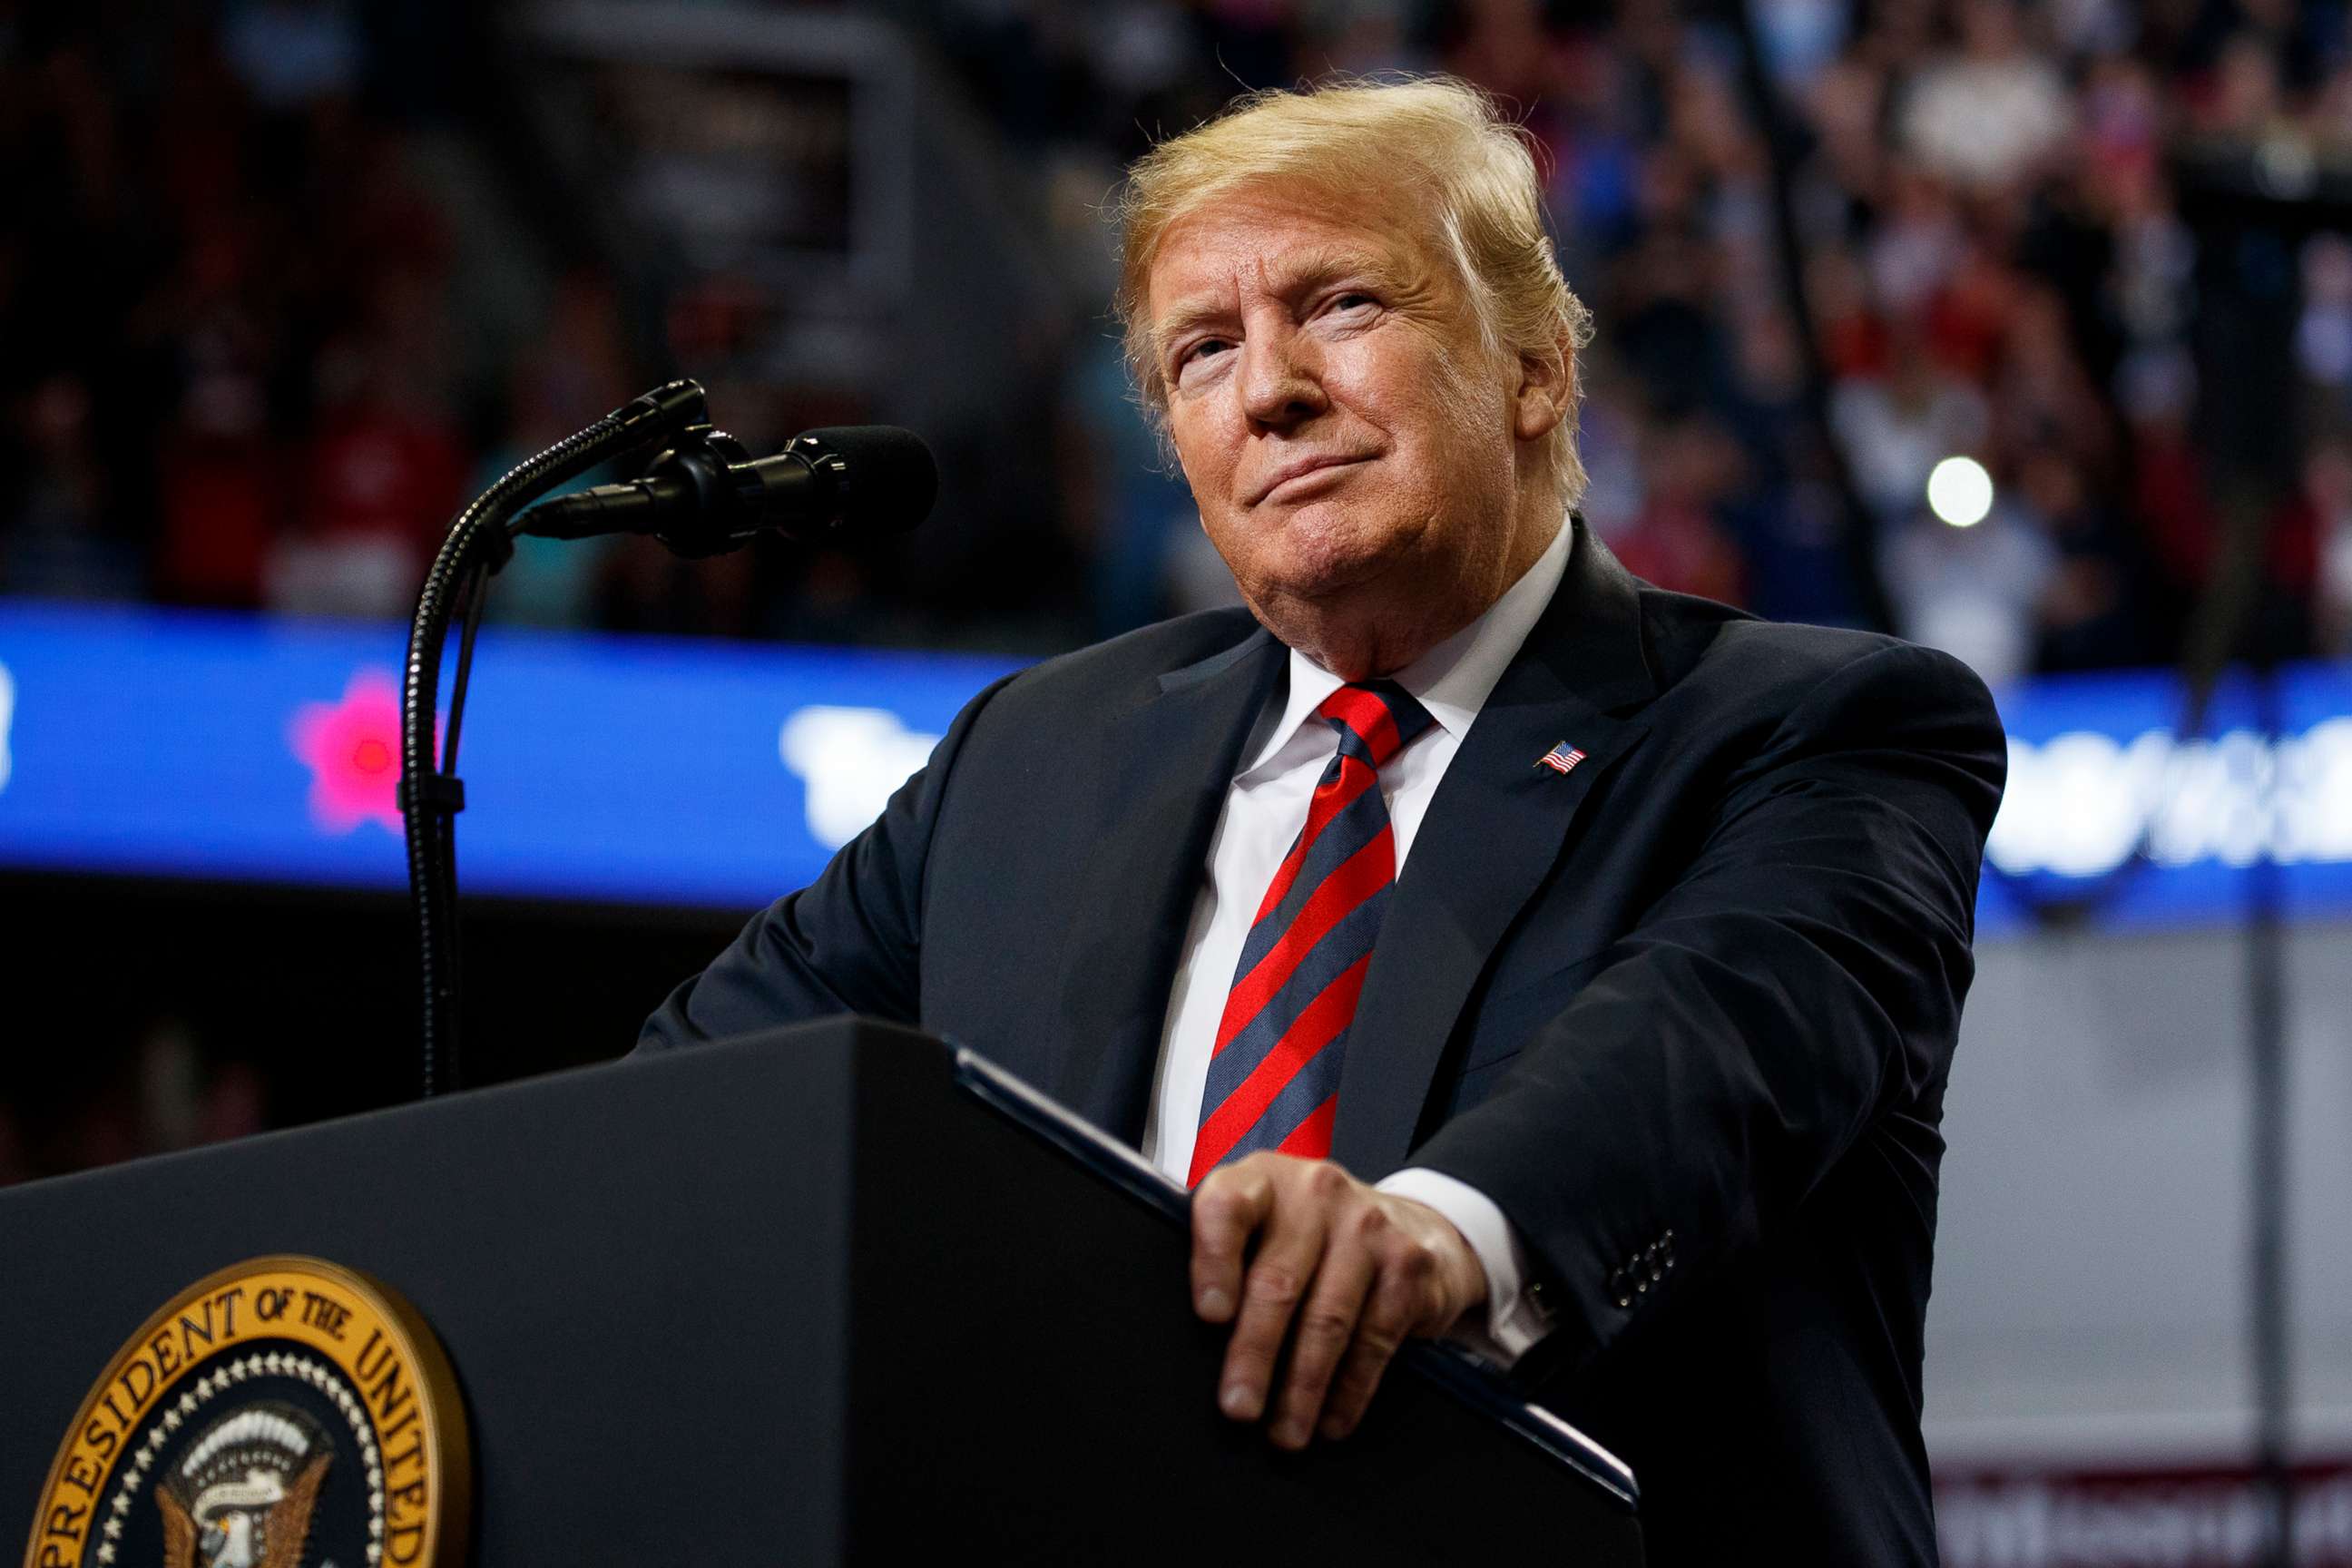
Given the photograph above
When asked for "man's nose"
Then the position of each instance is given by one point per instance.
(1281, 383)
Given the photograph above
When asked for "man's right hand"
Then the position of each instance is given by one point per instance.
(1343, 1272)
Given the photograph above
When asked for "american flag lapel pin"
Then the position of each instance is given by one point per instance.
(1560, 759)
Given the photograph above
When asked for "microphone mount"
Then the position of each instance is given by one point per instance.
(707, 494)
(704, 496)
(706, 464)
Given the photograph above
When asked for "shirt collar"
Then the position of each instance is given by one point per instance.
(1454, 680)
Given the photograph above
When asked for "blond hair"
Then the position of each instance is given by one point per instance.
(1439, 143)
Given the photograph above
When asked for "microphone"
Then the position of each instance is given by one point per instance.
(711, 496)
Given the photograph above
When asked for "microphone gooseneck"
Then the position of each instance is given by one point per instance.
(703, 496)
(475, 546)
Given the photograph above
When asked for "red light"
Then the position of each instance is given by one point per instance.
(351, 746)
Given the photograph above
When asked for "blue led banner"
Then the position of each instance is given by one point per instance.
(668, 771)
(634, 769)
(2109, 807)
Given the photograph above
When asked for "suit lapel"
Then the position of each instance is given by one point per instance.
(1170, 759)
(1494, 830)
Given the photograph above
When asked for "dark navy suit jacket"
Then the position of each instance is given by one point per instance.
(1685, 1013)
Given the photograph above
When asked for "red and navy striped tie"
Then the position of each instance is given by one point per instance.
(1273, 1078)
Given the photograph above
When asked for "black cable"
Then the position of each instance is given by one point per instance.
(2268, 1276)
(476, 590)
(430, 798)
(475, 593)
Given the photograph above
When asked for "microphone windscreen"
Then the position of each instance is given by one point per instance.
(892, 477)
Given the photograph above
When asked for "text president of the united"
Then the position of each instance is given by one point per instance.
(1506, 947)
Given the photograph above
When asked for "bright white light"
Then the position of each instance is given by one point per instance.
(849, 760)
(1960, 492)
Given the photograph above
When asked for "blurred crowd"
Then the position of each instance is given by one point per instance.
(168, 1090)
(251, 358)
(1994, 256)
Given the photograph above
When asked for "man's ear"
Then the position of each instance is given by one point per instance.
(1543, 399)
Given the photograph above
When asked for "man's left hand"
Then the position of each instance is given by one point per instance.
(1358, 1270)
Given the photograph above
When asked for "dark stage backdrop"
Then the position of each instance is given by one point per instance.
(150, 1014)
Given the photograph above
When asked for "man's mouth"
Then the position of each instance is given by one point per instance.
(1301, 474)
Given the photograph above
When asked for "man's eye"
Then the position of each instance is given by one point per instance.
(1353, 300)
(1195, 353)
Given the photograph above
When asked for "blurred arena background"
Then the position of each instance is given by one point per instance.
(2024, 330)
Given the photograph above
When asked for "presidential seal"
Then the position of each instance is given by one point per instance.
(284, 1413)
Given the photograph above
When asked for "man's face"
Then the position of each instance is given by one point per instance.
(1345, 430)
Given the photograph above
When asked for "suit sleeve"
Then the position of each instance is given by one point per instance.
(1801, 978)
(850, 941)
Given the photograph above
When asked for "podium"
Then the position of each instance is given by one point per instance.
(837, 1293)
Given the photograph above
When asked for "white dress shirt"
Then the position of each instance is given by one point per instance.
(1264, 808)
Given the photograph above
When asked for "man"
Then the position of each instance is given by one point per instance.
(1505, 948)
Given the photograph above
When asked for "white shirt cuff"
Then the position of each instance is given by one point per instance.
(1512, 1322)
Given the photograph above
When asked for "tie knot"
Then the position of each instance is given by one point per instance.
(1376, 718)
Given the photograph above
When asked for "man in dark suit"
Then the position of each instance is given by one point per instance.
(1505, 948)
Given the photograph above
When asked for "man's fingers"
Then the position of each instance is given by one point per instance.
(1230, 1205)
(1298, 1253)
(1289, 1251)
(1402, 1296)
(1326, 1323)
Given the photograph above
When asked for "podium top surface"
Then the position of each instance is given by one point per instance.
(1461, 1376)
